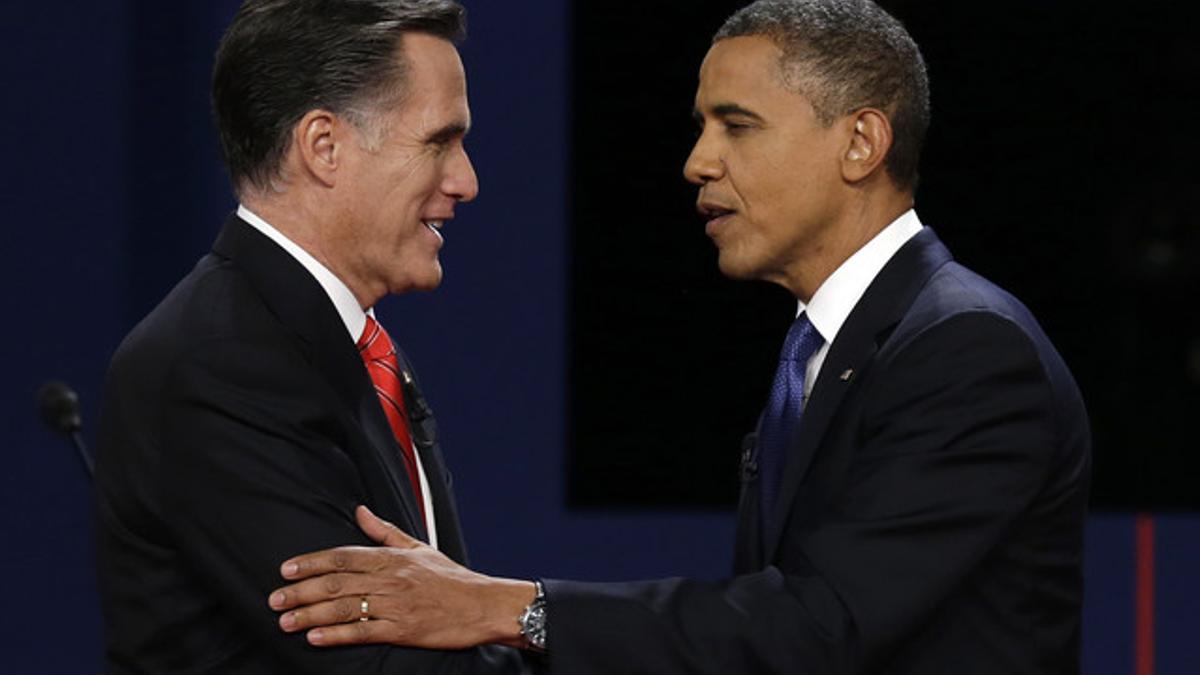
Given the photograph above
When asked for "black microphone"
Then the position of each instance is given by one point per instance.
(58, 406)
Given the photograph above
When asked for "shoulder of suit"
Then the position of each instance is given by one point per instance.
(212, 304)
(962, 297)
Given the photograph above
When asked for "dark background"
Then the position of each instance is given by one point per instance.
(110, 191)
(1059, 164)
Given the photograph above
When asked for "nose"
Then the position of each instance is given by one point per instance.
(704, 164)
(460, 181)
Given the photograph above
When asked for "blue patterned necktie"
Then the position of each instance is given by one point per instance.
(781, 419)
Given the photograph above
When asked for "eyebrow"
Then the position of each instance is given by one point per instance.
(727, 110)
(448, 133)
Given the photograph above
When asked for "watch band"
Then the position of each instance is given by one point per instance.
(533, 619)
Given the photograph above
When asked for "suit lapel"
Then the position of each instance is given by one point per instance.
(450, 539)
(423, 426)
(300, 303)
(878, 311)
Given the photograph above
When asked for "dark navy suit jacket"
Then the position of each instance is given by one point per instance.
(240, 428)
(930, 519)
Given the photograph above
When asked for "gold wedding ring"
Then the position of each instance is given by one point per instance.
(364, 610)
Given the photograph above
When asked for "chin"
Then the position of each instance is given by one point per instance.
(735, 268)
(429, 283)
(435, 277)
(426, 280)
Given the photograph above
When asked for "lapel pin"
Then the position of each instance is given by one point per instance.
(846, 375)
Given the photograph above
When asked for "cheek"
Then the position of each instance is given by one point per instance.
(404, 204)
(763, 187)
(406, 177)
(760, 172)
(420, 187)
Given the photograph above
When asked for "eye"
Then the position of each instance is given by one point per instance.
(446, 139)
(439, 146)
(737, 128)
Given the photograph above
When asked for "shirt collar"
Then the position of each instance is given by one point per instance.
(342, 297)
(837, 296)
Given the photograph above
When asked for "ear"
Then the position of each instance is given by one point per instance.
(870, 135)
(318, 140)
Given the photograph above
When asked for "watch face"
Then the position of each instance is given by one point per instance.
(533, 622)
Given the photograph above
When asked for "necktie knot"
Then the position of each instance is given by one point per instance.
(803, 340)
(374, 343)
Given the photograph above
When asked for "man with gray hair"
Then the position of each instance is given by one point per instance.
(249, 413)
(914, 495)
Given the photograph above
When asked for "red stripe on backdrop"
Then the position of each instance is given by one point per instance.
(1143, 646)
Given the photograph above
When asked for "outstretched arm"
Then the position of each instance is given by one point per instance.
(951, 457)
(413, 595)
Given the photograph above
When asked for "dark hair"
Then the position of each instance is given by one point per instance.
(280, 59)
(843, 55)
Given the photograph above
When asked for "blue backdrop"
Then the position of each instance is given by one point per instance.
(111, 189)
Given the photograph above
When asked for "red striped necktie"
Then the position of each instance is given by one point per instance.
(379, 354)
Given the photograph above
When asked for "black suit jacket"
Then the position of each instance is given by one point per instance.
(240, 428)
(930, 518)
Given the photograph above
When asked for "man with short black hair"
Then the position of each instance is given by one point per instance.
(915, 493)
(248, 414)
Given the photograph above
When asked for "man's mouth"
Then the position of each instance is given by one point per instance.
(714, 214)
(435, 226)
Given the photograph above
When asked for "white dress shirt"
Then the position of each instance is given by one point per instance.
(352, 315)
(835, 299)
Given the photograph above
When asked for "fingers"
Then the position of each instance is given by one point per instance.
(349, 558)
(337, 622)
(356, 633)
(381, 531)
(327, 613)
(341, 559)
(321, 589)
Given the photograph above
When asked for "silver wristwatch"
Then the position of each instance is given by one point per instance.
(533, 619)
